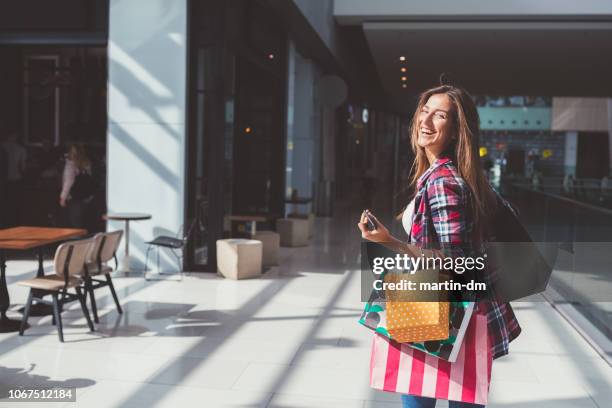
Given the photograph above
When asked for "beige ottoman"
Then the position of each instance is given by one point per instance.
(239, 258)
(293, 231)
(271, 242)
(310, 217)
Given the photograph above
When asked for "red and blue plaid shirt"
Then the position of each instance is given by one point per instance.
(442, 219)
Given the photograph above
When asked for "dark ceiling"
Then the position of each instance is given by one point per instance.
(503, 58)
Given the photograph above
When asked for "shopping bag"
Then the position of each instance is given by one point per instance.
(448, 349)
(518, 267)
(397, 367)
(374, 317)
(408, 318)
(417, 321)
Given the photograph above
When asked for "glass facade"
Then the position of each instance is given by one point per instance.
(236, 137)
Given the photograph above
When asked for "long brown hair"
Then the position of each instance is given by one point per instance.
(78, 154)
(463, 150)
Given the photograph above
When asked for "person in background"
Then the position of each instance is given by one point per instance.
(16, 156)
(78, 186)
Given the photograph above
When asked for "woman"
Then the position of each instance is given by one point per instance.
(449, 212)
(78, 186)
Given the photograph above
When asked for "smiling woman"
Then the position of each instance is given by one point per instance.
(448, 214)
(434, 125)
(446, 124)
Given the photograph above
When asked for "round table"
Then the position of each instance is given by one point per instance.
(126, 217)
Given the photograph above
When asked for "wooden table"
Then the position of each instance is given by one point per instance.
(24, 238)
(253, 219)
(126, 217)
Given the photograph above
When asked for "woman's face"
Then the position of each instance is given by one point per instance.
(434, 120)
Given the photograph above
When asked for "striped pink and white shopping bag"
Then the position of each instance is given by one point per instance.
(397, 367)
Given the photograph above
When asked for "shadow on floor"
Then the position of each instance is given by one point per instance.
(18, 377)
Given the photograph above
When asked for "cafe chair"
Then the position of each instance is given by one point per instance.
(69, 262)
(104, 249)
(174, 244)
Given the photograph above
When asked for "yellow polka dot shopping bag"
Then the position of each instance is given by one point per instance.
(435, 327)
(413, 320)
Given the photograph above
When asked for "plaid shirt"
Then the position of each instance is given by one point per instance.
(442, 219)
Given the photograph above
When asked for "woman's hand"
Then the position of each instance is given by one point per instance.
(62, 202)
(380, 234)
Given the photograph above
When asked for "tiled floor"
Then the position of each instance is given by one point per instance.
(289, 339)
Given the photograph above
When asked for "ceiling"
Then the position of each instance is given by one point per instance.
(504, 58)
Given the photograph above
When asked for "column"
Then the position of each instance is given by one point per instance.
(301, 127)
(146, 118)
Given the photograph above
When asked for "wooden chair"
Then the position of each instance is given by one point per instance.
(69, 262)
(104, 249)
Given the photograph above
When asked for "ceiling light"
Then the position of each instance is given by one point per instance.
(403, 69)
(402, 58)
(271, 56)
(404, 78)
(247, 130)
(404, 86)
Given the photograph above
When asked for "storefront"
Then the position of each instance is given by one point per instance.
(236, 120)
(54, 81)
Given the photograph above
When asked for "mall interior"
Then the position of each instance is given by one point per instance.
(214, 122)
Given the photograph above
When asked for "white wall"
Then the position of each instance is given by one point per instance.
(146, 124)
